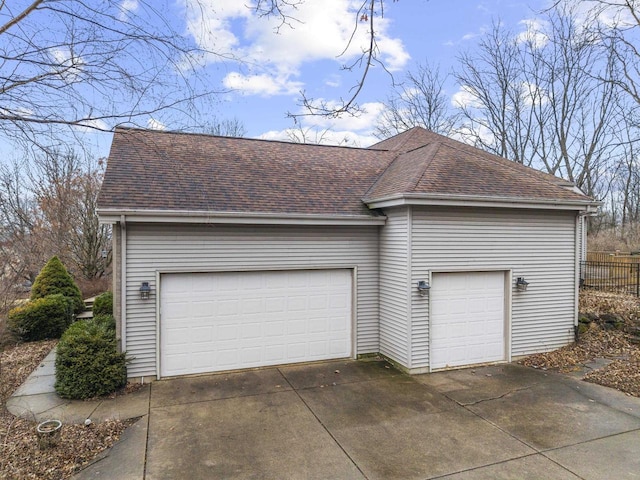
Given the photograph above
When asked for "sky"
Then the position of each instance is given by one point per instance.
(279, 61)
(306, 56)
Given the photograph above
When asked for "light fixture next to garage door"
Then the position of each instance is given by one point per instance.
(521, 284)
(145, 291)
(423, 287)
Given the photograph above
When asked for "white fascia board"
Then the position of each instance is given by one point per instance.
(477, 201)
(111, 216)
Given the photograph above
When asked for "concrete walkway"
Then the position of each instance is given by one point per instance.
(38, 401)
(360, 420)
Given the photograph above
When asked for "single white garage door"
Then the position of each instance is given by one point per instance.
(223, 321)
(467, 318)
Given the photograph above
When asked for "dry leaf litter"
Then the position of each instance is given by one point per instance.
(20, 457)
(612, 332)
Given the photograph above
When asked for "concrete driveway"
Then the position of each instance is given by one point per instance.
(366, 420)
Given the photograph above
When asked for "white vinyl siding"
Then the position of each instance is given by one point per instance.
(394, 286)
(538, 245)
(176, 248)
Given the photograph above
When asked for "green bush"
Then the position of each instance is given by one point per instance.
(87, 361)
(54, 278)
(46, 317)
(107, 321)
(103, 304)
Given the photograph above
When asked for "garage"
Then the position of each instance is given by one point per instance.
(467, 318)
(232, 320)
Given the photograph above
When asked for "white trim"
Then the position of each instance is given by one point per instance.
(110, 216)
(480, 201)
(508, 301)
(123, 283)
(354, 311)
(158, 320)
(576, 265)
(409, 293)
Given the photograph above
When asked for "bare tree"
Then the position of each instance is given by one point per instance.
(226, 127)
(49, 208)
(420, 101)
(20, 251)
(546, 99)
(91, 65)
(498, 101)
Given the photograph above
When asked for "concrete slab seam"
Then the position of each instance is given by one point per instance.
(547, 450)
(146, 442)
(248, 395)
(325, 428)
(500, 463)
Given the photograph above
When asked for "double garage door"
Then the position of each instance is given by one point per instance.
(231, 320)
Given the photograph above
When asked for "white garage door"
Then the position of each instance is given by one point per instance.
(467, 318)
(223, 321)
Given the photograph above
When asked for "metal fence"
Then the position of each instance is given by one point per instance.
(611, 277)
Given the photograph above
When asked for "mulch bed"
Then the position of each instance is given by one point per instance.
(20, 457)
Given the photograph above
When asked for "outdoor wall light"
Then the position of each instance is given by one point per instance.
(145, 291)
(423, 287)
(521, 284)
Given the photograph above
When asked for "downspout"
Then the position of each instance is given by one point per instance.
(577, 255)
(123, 281)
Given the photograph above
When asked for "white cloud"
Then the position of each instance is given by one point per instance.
(533, 94)
(465, 97)
(69, 66)
(534, 32)
(471, 134)
(317, 31)
(466, 37)
(610, 14)
(365, 121)
(349, 130)
(91, 125)
(333, 81)
(320, 136)
(127, 7)
(261, 84)
(154, 124)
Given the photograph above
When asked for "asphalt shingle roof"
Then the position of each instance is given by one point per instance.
(152, 170)
(175, 171)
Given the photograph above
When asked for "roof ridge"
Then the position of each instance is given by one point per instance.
(428, 163)
(391, 162)
(250, 139)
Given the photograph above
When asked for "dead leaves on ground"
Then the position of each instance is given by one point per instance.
(20, 457)
(623, 373)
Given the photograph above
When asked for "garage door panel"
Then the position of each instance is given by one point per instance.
(222, 321)
(467, 318)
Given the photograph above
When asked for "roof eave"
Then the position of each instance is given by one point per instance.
(115, 215)
(587, 205)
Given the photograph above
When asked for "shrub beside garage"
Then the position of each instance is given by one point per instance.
(55, 298)
(103, 304)
(42, 318)
(54, 279)
(88, 363)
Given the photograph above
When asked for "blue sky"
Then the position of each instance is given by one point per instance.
(307, 58)
(265, 85)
